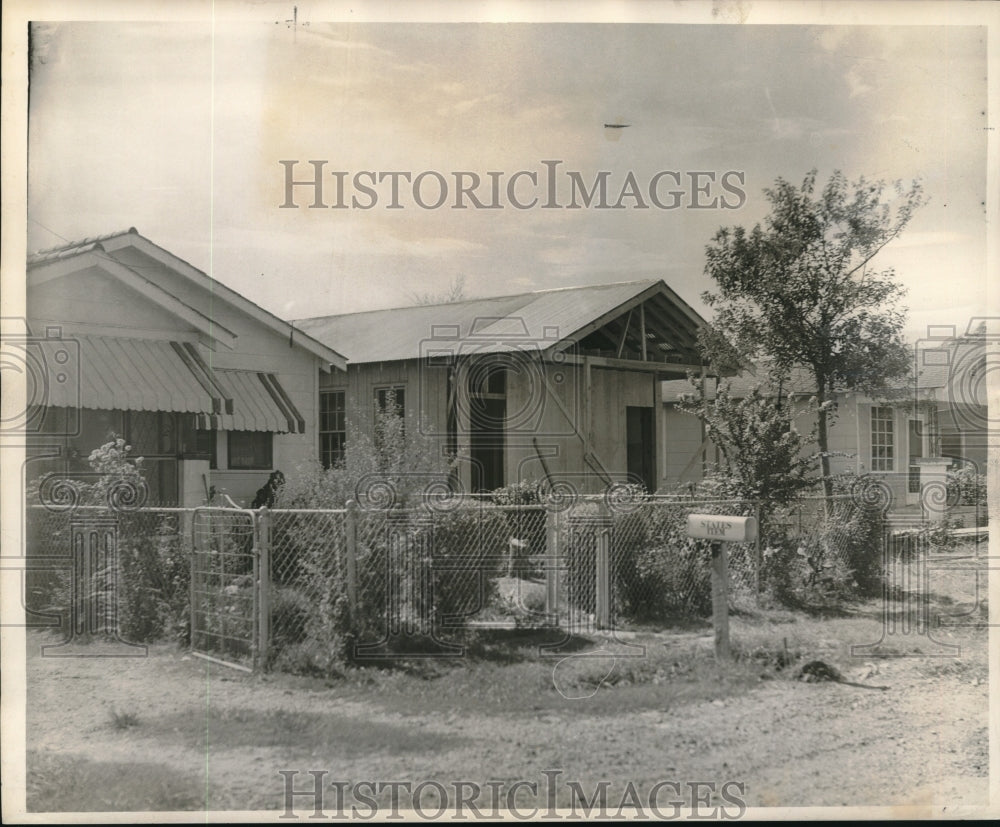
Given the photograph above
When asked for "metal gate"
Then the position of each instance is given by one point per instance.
(226, 591)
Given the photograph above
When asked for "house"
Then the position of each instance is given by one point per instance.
(953, 371)
(558, 384)
(908, 435)
(130, 340)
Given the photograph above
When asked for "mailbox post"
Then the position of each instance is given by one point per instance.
(721, 529)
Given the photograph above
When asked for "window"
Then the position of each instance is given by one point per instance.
(395, 396)
(205, 444)
(883, 454)
(332, 427)
(250, 450)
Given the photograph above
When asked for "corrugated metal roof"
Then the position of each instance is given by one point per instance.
(122, 374)
(800, 382)
(490, 325)
(259, 403)
(956, 367)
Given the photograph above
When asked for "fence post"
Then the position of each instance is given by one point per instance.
(720, 600)
(552, 557)
(351, 557)
(263, 520)
(757, 553)
(195, 591)
(602, 608)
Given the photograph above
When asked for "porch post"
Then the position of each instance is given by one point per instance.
(934, 487)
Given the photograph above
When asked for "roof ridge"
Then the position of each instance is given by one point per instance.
(480, 299)
(83, 242)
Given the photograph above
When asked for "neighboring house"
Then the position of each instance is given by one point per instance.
(689, 452)
(954, 373)
(901, 436)
(209, 388)
(563, 384)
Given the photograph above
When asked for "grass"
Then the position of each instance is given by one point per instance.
(224, 728)
(529, 672)
(595, 675)
(68, 783)
(123, 720)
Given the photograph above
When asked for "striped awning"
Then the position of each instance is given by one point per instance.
(107, 373)
(260, 403)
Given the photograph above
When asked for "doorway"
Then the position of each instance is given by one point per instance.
(487, 426)
(916, 441)
(641, 448)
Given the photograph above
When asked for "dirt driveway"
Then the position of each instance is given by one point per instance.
(173, 732)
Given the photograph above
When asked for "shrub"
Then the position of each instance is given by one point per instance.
(527, 525)
(289, 615)
(661, 571)
(658, 572)
(469, 553)
(149, 589)
(399, 465)
(421, 565)
(155, 573)
(818, 552)
(966, 486)
(764, 457)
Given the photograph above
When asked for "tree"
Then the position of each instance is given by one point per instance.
(455, 292)
(764, 457)
(397, 460)
(801, 290)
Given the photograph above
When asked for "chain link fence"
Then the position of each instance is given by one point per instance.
(302, 589)
(434, 570)
(146, 565)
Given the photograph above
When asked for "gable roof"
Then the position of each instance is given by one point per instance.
(800, 383)
(961, 365)
(73, 248)
(957, 366)
(541, 320)
(106, 250)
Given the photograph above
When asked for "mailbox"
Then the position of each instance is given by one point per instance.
(722, 528)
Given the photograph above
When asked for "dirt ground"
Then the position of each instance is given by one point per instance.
(169, 731)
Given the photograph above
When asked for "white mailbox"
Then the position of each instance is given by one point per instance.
(722, 528)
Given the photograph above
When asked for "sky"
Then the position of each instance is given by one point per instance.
(178, 129)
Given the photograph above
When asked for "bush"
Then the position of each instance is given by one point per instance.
(819, 552)
(525, 525)
(149, 589)
(421, 565)
(658, 572)
(672, 573)
(154, 581)
(469, 553)
(967, 487)
(290, 609)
